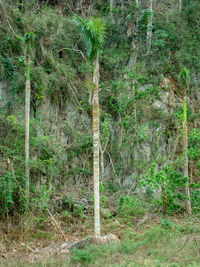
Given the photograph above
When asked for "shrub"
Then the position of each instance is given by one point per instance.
(130, 206)
(82, 256)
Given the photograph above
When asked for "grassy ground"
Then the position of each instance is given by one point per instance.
(167, 243)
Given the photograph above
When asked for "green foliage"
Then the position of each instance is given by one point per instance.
(82, 256)
(194, 144)
(28, 38)
(12, 120)
(12, 196)
(130, 206)
(40, 201)
(78, 211)
(7, 187)
(143, 20)
(93, 33)
(166, 223)
(184, 77)
(195, 200)
(103, 199)
(160, 40)
(168, 181)
(7, 68)
(61, 150)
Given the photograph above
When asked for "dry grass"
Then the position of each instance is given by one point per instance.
(168, 242)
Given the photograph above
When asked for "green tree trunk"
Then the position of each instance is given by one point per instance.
(185, 151)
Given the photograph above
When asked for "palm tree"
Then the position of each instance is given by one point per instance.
(92, 32)
(184, 78)
(28, 42)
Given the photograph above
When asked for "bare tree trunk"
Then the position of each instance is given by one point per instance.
(122, 3)
(95, 112)
(180, 5)
(185, 147)
(149, 27)
(102, 150)
(27, 117)
(111, 10)
(102, 162)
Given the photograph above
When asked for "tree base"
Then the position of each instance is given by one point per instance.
(89, 241)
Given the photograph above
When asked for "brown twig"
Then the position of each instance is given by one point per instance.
(57, 225)
(27, 246)
(188, 237)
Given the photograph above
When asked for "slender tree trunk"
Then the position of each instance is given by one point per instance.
(180, 5)
(122, 3)
(149, 27)
(102, 162)
(95, 112)
(185, 148)
(111, 10)
(27, 117)
(60, 9)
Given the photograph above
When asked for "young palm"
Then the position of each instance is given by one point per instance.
(93, 32)
(28, 42)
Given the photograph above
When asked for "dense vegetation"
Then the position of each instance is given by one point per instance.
(141, 94)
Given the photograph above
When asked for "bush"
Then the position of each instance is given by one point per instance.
(82, 256)
(11, 197)
(130, 206)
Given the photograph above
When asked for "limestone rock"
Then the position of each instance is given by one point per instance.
(106, 213)
(107, 239)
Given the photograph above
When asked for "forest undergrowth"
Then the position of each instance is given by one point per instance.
(153, 241)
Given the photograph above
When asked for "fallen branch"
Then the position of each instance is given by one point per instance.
(57, 225)
(27, 246)
(187, 239)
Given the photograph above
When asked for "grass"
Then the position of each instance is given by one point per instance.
(164, 244)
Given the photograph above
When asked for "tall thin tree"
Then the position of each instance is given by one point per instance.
(149, 27)
(180, 5)
(184, 78)
(28, 42)
(112, 2)
(137, 2)
(93, 32)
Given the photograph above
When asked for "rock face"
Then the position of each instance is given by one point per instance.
(130, 142)
(3, 94)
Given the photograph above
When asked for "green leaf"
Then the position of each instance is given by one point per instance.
(92, 33)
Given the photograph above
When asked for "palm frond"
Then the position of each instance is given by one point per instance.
(28, 38)
(92, 33)
(184, 76)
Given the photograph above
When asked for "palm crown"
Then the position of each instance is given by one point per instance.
(28, 40)
(93, 33)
